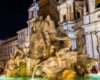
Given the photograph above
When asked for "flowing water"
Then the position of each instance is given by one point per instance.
(91, 77)
(36, 69)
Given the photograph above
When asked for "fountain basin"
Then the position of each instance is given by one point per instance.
(91, 77)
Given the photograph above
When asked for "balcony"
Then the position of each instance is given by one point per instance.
(92, 17)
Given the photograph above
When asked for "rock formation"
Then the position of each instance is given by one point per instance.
(49, 55)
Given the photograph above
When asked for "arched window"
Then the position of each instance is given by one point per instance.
(98, 6)
(97, 3)
(64, 17)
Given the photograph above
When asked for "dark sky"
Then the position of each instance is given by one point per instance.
(13, 16)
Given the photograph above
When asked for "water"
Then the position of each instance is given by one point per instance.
(22, 78)
(91, 77)
(95, 76)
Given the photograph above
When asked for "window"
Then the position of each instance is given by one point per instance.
(78, 15)
(87, 8)
(97, 3)
(64, 17)
(21, 34)
(98, 6)
(8, 50)
(57, 0)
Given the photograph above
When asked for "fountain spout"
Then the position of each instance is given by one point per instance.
(33, 75)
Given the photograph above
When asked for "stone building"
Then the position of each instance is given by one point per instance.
(66, 14)
(7, 47)
(92, 27)
(22, 37)
(81, 20)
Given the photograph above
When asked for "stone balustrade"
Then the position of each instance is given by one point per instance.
(92, 17)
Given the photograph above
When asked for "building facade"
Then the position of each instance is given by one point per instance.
(66, 14)
(92, 28)
(7, 47)
(22, 37)
(84, 16)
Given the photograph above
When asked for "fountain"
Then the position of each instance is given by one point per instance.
(49, 56)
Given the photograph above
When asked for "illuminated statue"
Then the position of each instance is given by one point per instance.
(36, 8)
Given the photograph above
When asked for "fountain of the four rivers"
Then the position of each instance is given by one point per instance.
(49, 57)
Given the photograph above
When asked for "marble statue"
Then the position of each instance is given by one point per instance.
(36, 8)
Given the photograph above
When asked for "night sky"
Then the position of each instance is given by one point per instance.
(13, 16)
